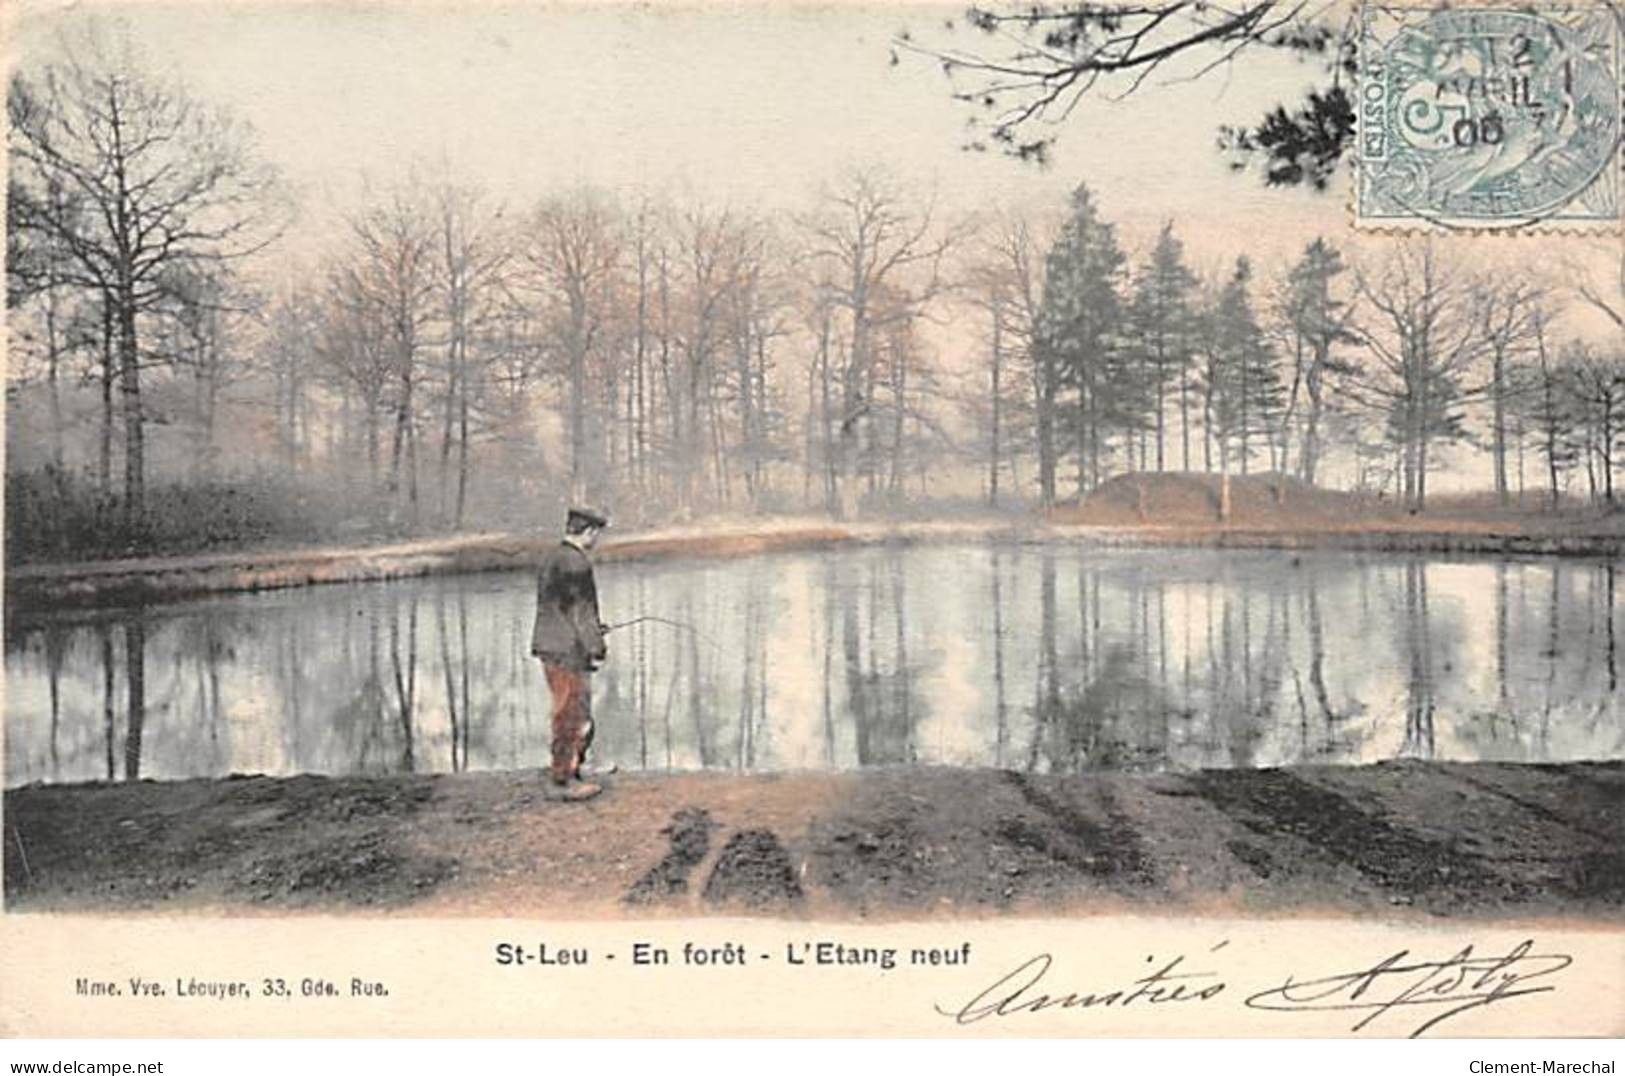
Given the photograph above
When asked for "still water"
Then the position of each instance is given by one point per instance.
(1049, 657)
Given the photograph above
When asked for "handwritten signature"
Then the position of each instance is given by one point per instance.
(1399, 982)
(1440, 989)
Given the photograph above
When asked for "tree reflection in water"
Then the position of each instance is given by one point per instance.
(1046, 657)
(135, 684)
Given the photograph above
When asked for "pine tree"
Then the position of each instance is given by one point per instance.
(1246, 389)
(1162, 329)
(1078, 345)
(1316, 321)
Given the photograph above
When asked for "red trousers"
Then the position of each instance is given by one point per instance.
(572, 719)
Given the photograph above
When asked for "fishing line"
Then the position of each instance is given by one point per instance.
(678, 624)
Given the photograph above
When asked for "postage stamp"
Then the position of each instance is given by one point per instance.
(1487, 117)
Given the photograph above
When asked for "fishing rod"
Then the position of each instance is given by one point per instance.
(678, 624)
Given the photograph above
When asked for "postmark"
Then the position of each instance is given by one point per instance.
(1500, 118)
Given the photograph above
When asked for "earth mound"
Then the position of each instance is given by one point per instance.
(690, 836)
(1183, 498)
(755, 870)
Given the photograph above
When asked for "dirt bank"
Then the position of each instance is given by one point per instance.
(57, 586)
(1401, 838)
(49, 586)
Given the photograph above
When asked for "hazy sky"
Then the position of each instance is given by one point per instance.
(750, 104)
(756, 105)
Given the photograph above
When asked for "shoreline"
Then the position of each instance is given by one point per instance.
(41, 587)
(1400, 839)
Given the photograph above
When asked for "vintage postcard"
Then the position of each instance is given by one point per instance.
(821, 519)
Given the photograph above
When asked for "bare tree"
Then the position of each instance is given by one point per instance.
(645, 239)
(152, 180)
(989, 295)
(390, 276)
(288, 348)
(1607, 297)
(1004, 278)
(1511, 310)
(1540, 402)
(1421, 329)
(867, 245)
(197, 334)
(907, 387)
(472, 253)
(706, 244)
(756, 308)
(1594, 381)
(819, 450)
(353, 348)
(41, 304)
(571, 249)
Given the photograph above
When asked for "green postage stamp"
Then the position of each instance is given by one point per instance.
(1489, 117)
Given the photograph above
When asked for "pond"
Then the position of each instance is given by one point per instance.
(1052, 657)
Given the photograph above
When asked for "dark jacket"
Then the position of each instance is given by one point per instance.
(568, 631)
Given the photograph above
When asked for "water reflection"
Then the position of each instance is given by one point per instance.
(1050, 658)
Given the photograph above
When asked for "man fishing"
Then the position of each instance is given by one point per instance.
(569, 638)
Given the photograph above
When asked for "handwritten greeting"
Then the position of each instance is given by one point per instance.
(1402, 985)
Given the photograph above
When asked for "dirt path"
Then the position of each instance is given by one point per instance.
(1396, 838)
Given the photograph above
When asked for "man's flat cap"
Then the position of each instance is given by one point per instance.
(585, 517)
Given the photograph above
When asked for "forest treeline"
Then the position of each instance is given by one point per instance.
(450, 361)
